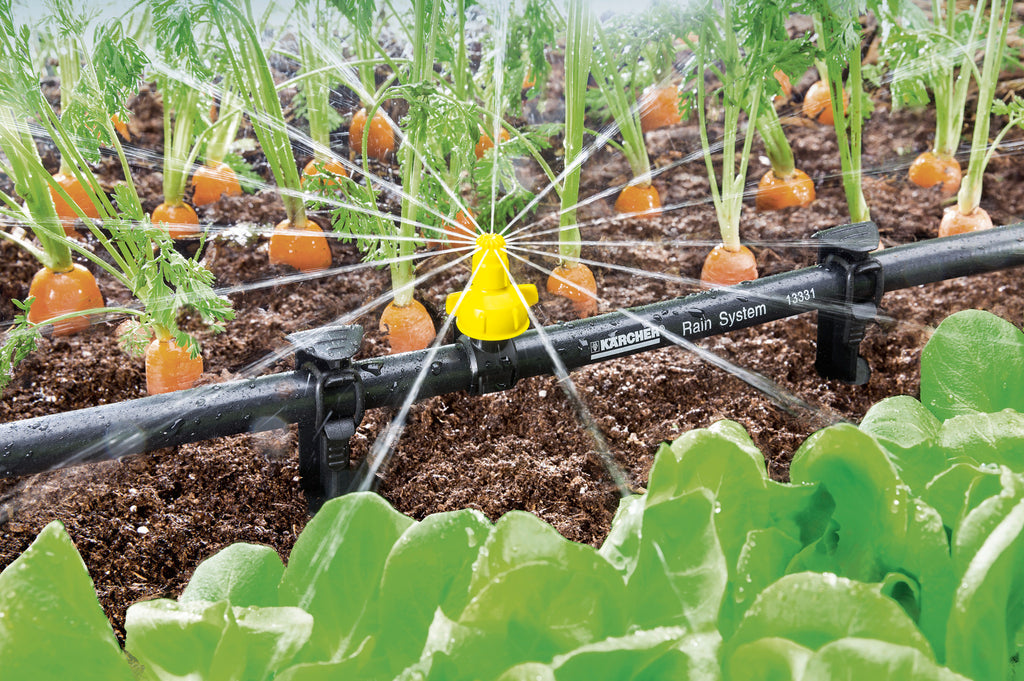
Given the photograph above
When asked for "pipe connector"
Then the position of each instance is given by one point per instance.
(492, 308)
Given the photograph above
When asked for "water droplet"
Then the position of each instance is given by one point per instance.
(718, 507)
(435, 368)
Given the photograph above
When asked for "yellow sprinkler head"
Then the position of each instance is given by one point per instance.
(491, 309)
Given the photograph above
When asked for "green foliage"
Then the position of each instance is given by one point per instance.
(918, 54)
(117, 69)
(169, 281)
(248, 178)
(333, 572)
(500, 195)
(98, 82)
(988, 551)
(18, 79)
(300, 109)
(741, 44)
(717, 572)
(909, 433)
(245, 574)
(359, 13)
(21, 339)
(213, 640)
(47, 596)
(956, 366)
(358, 218)
(174, 26)
(831, 608)
(529, 34)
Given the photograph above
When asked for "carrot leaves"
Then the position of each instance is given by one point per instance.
(838, 35)
(175, 24)
(21, 340)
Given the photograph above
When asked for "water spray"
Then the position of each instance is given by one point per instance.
(328, 392)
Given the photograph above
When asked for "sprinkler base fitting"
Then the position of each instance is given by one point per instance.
(492, 308)
(325, 354)
(493, 365)
(846, 251)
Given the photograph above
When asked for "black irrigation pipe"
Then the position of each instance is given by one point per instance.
(327, 394)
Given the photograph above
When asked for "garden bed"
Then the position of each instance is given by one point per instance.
(144, 523)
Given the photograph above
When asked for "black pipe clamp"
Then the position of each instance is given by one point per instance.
(324, 432)
(846, 251)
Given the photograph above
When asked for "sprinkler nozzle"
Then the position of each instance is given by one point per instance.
(491, 309)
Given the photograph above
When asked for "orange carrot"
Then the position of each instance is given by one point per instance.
(121, 127)
(775, 193)
(314, 167)
(931, 169)
(212, 182)
(575, 281)
(784, 83)
(485, 142)
(818, 103)
(381, 141)
(170, 367)
(723, 267)
(304, 248)
(955, 222)
(59, 293)
(180, 219)
(659, 107)
(462, 233)
(407, 327)
(644, 202)
(77, 192)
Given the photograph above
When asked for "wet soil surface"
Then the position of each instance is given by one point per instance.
(143, 523)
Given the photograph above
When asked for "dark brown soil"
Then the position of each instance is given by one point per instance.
(143, 524)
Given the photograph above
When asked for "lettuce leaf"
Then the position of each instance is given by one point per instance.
(974, 362)
(51, 625)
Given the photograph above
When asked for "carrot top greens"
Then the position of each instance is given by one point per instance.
(741, 44)
(933, 53)
(138, 256)
(838, 34)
